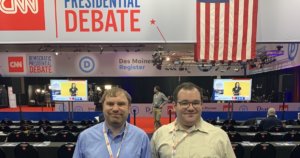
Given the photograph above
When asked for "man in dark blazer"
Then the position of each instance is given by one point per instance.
(270, 121)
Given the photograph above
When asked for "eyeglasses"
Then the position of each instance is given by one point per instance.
(186, 104)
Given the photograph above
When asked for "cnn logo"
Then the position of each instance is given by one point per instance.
(23, 6)
(15, 64)
(22, 15)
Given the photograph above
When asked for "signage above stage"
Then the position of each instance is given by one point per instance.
(97, 21)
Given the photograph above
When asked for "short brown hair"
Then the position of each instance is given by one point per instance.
(113, 93)
(187, 86)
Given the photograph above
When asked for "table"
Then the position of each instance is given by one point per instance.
(283, 149)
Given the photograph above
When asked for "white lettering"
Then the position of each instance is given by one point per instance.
(22, 5)
(16, 64)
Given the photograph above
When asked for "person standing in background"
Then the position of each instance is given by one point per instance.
(47, 99)
(159, 100)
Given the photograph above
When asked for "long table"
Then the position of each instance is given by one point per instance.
(248, 136)
(49, 149)
(287, 128)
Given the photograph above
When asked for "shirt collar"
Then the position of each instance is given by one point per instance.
(109, 132)
(199, 126)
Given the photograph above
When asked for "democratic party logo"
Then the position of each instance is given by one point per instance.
(243, 108)
(16, 64)
(78, 109)
(22, 15)
(86, 64)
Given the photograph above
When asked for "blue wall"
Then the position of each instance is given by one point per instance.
(78, 116)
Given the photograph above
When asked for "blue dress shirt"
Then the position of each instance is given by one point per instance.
(91, 143)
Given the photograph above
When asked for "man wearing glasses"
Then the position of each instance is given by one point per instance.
(189, 135)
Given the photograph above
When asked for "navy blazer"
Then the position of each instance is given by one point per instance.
(270, 122)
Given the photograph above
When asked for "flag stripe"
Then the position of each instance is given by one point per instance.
(240, 31)
(212, 31)
(197, 47)
(254, 28)
(207, 30)
(249, 30)
(245, 28)
(235, 29)
(217, 22)
(231, 26)
(221, 34)
(202, 30)
(226, 31)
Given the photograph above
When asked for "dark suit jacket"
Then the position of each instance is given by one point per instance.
(270, 122)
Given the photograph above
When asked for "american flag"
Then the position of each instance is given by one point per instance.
(226, 30)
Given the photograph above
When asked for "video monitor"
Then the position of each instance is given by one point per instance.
(69, 90)
(232, 89)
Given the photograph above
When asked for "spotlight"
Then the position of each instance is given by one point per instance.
(98, 88)
(107, 87)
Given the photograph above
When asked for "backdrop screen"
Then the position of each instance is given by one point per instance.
(232, 89)
(69, 90)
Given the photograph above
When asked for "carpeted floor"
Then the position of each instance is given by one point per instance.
(27, 108)
(147, 124)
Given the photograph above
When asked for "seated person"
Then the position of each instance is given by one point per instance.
(270, 121)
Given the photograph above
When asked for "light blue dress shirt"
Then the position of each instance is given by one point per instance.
(91, 143)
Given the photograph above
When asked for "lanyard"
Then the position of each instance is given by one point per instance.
(108, 144)
(175, 143)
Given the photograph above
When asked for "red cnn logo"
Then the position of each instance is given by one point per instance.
(22, 15)
(15, 64)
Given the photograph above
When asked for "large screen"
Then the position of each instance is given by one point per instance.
(232, 89)
(69, 90)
